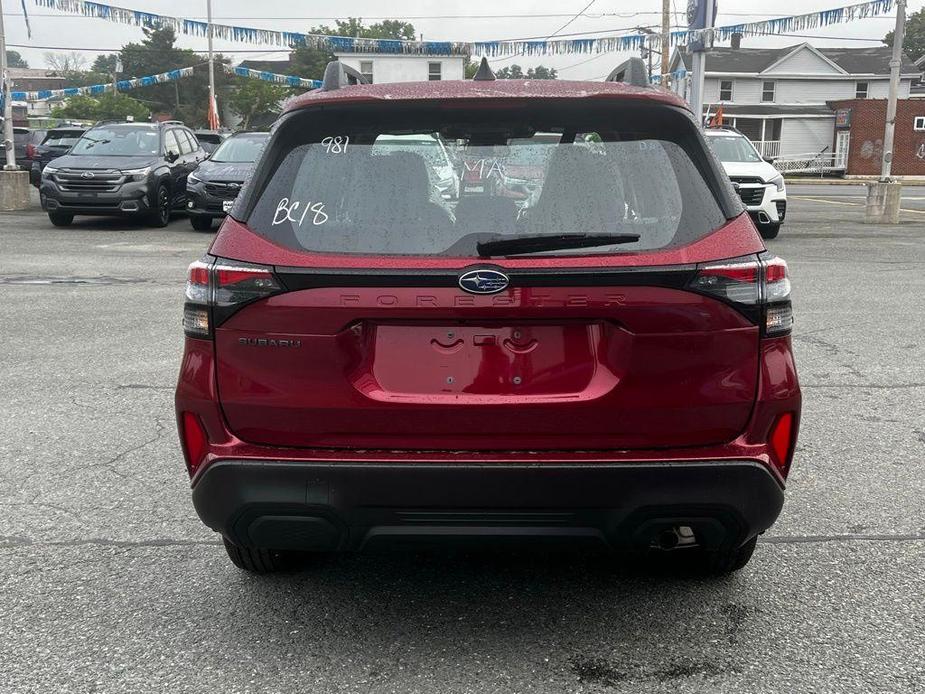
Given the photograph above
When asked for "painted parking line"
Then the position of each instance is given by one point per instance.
(849, 204)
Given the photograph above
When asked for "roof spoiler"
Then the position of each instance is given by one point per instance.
(632, 72)
(337, 75)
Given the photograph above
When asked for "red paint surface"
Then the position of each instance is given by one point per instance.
(497, 91)
(628, 367)
(736, 238)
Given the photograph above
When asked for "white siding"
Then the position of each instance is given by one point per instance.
(813, 91)
(404, 68)
(806, 135)
(805, 62)
(744, 90)
(880, 89)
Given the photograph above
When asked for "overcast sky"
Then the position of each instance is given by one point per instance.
(444, 20)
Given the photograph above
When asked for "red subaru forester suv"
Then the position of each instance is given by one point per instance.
(376, 354)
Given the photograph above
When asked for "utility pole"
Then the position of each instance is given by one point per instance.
(212, 102)
(699, 62)
(10, 164)
(884, 197)
(886, 162)
(666, 42)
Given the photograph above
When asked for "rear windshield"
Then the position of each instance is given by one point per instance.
(439, 189)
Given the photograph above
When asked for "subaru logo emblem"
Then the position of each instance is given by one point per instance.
(87, 174)
(483, 281)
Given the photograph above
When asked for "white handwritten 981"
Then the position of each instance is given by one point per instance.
(289, 212)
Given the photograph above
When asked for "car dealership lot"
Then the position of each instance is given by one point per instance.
(111, 584)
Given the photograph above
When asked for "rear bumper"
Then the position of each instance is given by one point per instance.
(347, 506)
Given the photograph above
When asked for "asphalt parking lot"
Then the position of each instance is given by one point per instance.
(111, 584)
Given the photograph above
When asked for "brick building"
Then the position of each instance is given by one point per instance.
(861, 123)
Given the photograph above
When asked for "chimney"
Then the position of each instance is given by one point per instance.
(736, 40)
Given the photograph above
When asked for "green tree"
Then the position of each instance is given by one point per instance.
(254, 98)
(101, 107)
(510, 72)
(914, 39)
(105, 64)
(14, 59)
(310, 62)
(188, 98)
(541, 72)
(515, 72)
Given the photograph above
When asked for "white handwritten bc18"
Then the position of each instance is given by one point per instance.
(289, 212)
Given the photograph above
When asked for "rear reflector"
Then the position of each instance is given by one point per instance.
(781, 440)
(195, 441)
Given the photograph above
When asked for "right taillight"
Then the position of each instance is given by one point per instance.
(778, 311)
(758, 286)
(217, 288)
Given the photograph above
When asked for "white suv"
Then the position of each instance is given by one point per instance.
(759, 184)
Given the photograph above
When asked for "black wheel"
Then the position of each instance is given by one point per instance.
(725, 561)
(769, 231)
(201, 222)
(160, 213)
(61, 219)
(263, 561)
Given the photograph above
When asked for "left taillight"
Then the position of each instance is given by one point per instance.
(216, 288)
(758, 286)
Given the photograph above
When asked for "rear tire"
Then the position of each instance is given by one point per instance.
(160, 214)
(262, 561)
(61, 219)
(769, 231)
(201, 222)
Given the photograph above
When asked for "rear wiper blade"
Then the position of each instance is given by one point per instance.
(549, 242)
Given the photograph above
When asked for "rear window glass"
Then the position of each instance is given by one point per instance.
(62, 138)
(441, 191)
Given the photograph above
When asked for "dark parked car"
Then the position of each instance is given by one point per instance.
(24, 141)
(56, 143)
(210, 139)
(213, 187)
(135, 169)
(367, 363)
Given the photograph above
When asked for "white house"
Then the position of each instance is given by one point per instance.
(401, 67)
(385, 67)
(777, 96)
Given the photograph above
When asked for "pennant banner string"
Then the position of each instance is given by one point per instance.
(502, 47)
(170, 76)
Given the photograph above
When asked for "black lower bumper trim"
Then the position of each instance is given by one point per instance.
(338, 506)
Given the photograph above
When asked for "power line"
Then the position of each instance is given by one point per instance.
(556, 32)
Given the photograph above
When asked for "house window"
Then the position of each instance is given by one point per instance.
(366, 69)
(767, 91)
(860, 90)
(918, 123)
(725, 90)
(434, 71)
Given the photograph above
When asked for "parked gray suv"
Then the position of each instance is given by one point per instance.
(119, 168)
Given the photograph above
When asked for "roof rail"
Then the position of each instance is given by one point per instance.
(109, 121)
(632, 71)
(484, 73)
(337, 75)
